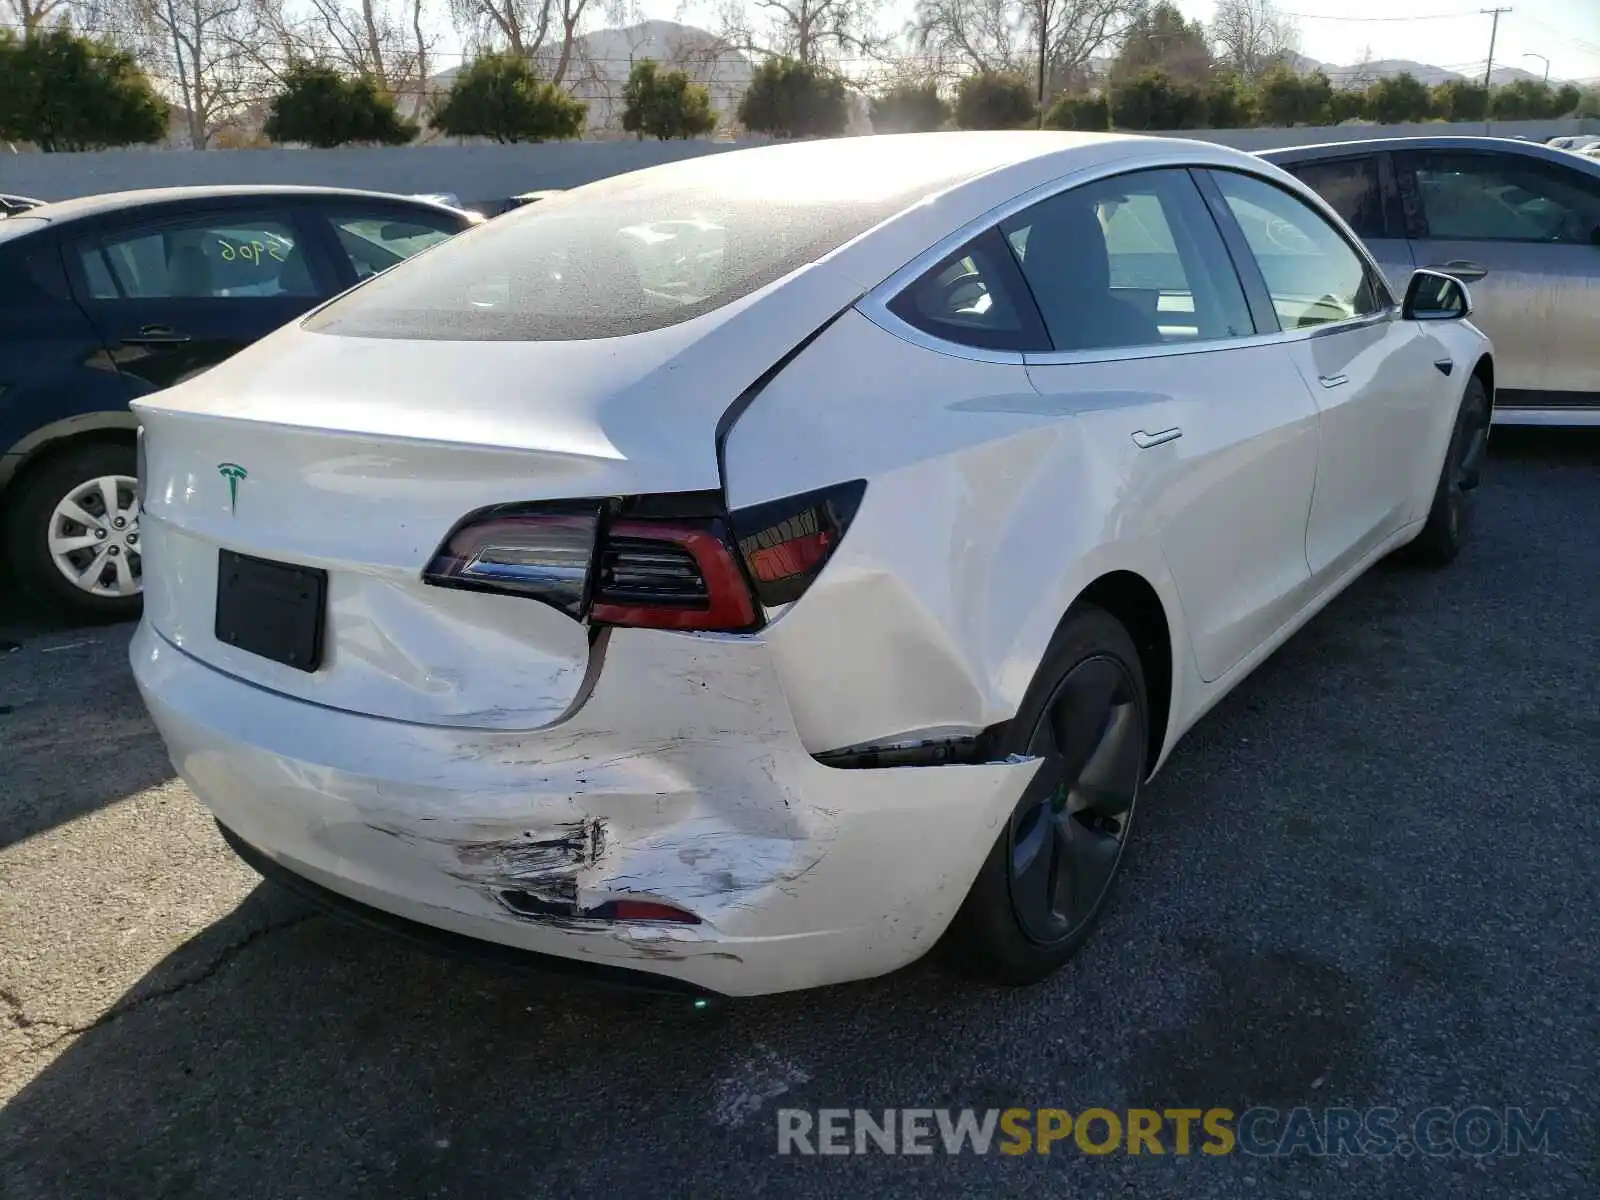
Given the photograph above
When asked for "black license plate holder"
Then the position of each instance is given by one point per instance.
(271, 609)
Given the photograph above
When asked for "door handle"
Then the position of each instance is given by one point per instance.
(1463, 269)
(157, 335)
(1333, 381)
(1145, 440)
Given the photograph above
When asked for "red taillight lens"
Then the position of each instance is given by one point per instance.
(786, 543)
(642, 910)
(670, 575)
(661, 562)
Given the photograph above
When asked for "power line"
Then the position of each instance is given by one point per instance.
(1450, 16)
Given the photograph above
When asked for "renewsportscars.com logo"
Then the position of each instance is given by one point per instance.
(1478, 1132)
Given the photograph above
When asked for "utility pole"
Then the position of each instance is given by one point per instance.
(1494, 29)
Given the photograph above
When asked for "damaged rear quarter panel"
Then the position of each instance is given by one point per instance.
(984, 518)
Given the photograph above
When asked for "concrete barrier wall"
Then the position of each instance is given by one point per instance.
(485, 173)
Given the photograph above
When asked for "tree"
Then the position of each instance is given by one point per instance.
(1398, 99)
(1040, 39)
(809, 31)
(790, 98)
(1532, 100)
(1347, 104)
(27, 16)
(1083, 112)
(201, 51)
(1252, 37)
(525, 28)
(381, 39)
(665, 106)
(322, 108)
(909, 108)
(1566, 100)
(498, 96)
(1588, 104)
(1284, 98)
(1152, 99)
(1524, 100)
(995, 100)
(1460, 100)
(64, 92)
(1229, 104)
(1160, 37)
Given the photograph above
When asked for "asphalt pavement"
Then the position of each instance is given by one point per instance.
(1369, 879)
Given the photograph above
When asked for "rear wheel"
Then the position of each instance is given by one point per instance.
(1050, 872)
(1450, 518)
(73, 532)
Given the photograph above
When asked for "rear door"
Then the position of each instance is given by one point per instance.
(174, 294)
(54, 373)
(1373, 376)
(363, 237)
(1363, 190)
(1178, 391)
(1534, 226)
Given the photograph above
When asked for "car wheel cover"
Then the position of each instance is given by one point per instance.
(93, 537)
(1066, 835)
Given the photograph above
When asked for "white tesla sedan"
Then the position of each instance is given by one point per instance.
(752, 570)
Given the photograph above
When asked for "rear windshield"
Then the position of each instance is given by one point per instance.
(620, 257)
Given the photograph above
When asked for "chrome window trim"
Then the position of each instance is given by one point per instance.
(1063, 358)
(885, 320)
(874, 306)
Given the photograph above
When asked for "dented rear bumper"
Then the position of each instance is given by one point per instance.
(680, 779)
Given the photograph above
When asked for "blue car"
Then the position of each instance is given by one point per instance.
(107, 298)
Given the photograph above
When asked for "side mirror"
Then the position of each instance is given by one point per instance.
(1435, 296)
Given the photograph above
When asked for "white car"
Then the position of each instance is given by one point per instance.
(758, 629)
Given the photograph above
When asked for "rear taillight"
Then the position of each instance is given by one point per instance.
(675, 574)
(657, 562)
(786, 543)
(543, 553)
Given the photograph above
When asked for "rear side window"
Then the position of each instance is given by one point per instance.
(975, 297)
(223, 256)
(1503, 197)
(607, 263)
(374, 242)
(1351, 188)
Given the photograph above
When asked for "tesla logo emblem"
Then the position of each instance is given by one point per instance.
(233, 473)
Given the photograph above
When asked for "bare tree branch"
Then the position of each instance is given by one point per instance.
(1252, 36)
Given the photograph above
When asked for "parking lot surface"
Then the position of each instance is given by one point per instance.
(1368, 879)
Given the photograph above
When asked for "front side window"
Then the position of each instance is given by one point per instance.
(217, 257)
(1131, 261)
(1351, 188)
(375, 242)
(1499, 197)
(1314, 276)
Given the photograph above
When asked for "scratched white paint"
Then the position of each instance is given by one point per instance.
(755, 1080)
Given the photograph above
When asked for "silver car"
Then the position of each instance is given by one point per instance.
(1519, 222)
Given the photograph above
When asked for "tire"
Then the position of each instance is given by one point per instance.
(32, 502)
(1450, 518)
(1087, 715)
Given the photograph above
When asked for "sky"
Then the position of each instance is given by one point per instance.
(1339, 31)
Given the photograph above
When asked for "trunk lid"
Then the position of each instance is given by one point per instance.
(358, 456)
